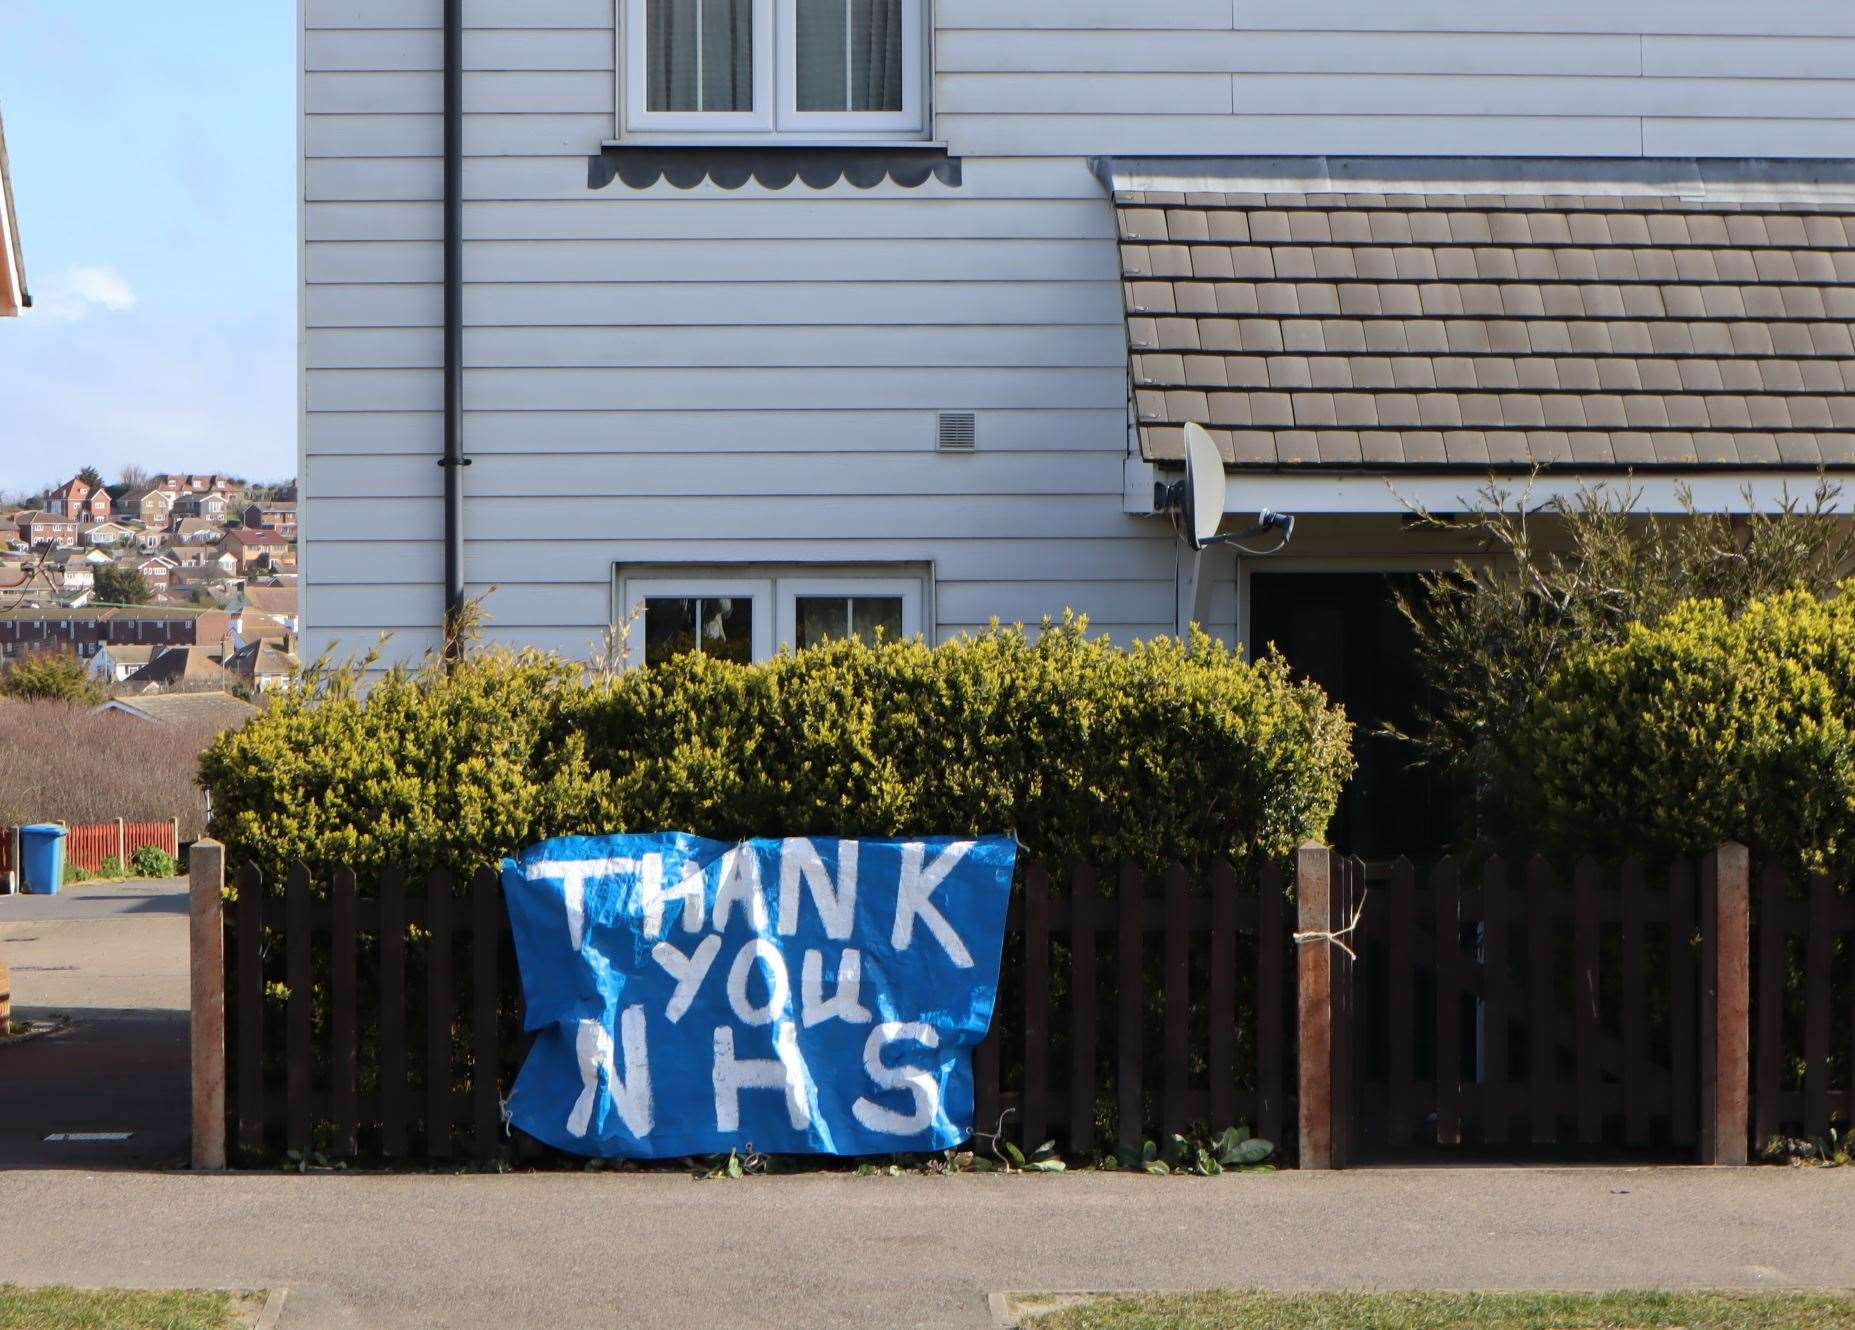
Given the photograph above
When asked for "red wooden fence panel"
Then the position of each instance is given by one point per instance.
(87, 845)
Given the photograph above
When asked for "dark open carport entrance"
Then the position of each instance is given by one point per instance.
(1497, 1010)
(1344, 631)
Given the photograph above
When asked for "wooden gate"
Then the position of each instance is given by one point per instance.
(1520, 1008)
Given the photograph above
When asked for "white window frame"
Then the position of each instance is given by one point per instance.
(909, 120)
(637, 590)
(789, 590)
(775, 592)
(776, 115)
(637, 81)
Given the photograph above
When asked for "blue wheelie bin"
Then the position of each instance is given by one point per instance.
(41, 852)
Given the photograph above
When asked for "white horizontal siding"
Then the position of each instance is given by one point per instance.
(626, 432)
(820, 260)
(516, 563)
(689, 525)
(1301, 135)
(717, 304)
(484, 50)
(517, 92)
(594, 218)
(783, 475)
(1091, 51)
(563, 178)
(1608, 78)
(976, 346)
(742, 389)
(1523, 18)
(429, 14)
(666, 374)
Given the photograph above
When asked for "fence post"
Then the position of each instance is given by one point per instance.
(208, 1004)
(122, 847)
(1726, 1006)
(1314, 903)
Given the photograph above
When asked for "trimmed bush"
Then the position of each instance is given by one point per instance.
(1704, 728)
(153, 861)
(423, 769)
(111, 867)
(1164, 752)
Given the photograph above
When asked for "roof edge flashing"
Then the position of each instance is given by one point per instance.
(1720, 180)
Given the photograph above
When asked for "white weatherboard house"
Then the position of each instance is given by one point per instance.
(782, 318)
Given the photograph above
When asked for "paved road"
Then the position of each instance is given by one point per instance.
(668, 1253)
(114, 961)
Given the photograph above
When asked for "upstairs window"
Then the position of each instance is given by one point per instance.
(795, 69)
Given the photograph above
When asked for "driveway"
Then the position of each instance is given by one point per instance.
(113, 960)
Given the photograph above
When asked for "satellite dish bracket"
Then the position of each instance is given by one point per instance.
(1200, 497)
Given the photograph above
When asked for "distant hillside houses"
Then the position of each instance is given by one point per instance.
(195, 560)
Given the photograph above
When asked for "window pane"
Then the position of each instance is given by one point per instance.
(669, 627)
(728, 628)
(821, 618)
(849, 55)
(868, 613)
(720, 626)
(700, 55)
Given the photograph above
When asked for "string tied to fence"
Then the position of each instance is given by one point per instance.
(1336, 936)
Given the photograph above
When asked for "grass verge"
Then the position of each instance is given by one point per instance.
(122, 1309)
(1449, 1311)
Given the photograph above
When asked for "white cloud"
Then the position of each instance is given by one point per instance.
(79, 291)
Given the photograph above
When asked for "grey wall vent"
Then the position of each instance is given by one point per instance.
(958, 432)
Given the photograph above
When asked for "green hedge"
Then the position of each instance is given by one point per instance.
(1163, 752)
(1704, 728)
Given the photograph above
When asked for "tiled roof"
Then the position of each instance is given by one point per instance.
(182, 664)
(215, 708)
(1491, 331)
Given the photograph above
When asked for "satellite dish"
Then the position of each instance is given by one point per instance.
(1204, 487)
(1200, 497)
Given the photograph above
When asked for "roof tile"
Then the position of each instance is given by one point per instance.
(1491, 331)
(1837, 448)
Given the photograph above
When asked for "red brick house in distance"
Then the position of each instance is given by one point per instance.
(150, 505)
(249, 544)
(277, 515)
(79, 501)
(40, 529)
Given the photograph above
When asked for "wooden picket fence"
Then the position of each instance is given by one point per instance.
(1143, 1007)
(1532, 1007)
(1518, 1009)
(1804, 1028)
(427, 1059)
(1161, 1006)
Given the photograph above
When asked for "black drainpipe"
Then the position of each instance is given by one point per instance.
(454, 460)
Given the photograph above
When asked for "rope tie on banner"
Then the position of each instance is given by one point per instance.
(1337, 936)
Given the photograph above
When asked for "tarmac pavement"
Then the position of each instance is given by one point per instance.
(665, 1252)
(113, 961)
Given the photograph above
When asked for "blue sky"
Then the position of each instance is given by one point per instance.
(154, 167)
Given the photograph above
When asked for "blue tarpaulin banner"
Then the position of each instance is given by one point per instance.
(804, 996)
